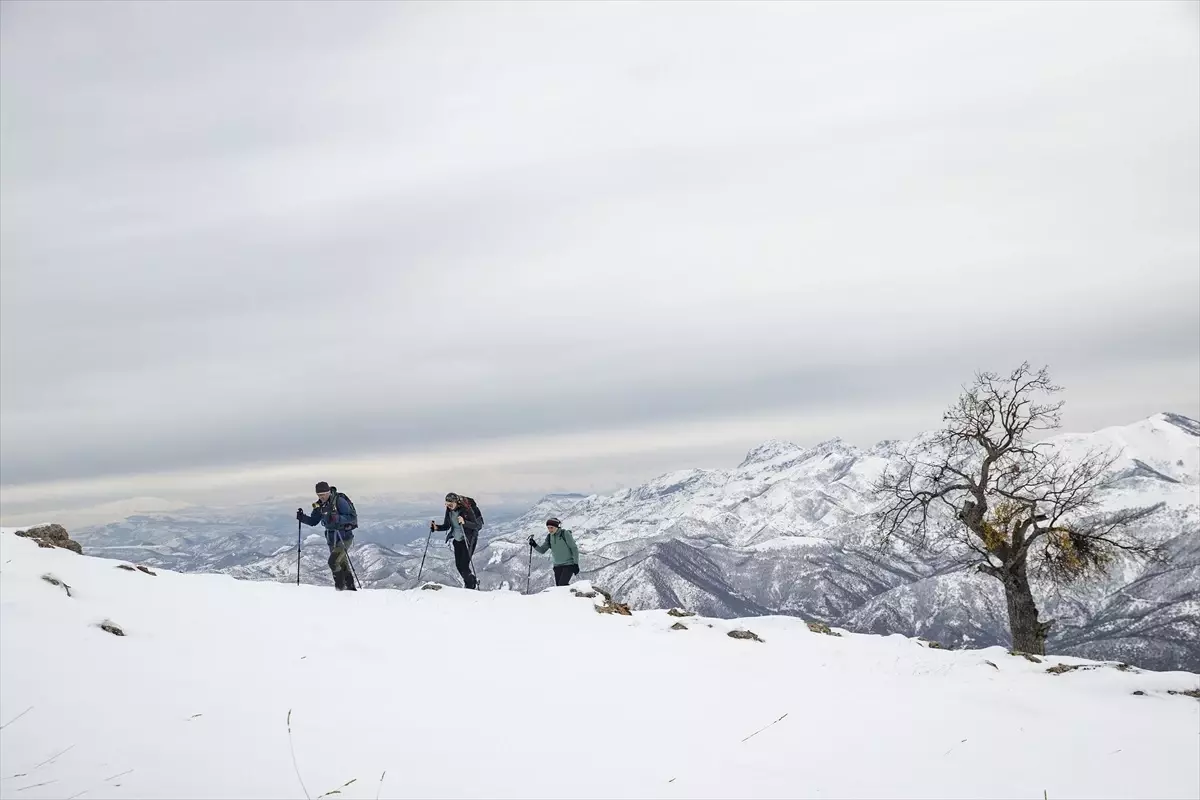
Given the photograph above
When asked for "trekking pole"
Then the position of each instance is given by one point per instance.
(427, 540)
(346, 550)
(529, 569)
(298, 523)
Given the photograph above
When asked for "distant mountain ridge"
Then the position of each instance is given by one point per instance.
(786, 532)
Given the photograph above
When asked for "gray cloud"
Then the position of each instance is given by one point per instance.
(250, 234)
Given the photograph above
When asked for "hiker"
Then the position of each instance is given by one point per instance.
(564, 553)
(463, 527)
(337, 513)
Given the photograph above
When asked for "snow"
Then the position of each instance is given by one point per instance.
(1164, 445)
(496, 694)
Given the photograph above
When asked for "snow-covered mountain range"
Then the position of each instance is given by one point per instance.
(786, 532)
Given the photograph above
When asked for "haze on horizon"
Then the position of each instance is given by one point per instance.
(532, 247)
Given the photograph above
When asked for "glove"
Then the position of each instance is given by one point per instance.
(432, 526)
(576, 570)
(300, 515)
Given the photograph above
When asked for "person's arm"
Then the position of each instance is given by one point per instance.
(308, 519)
(445, 526)
(470, 522)
(543, 547)
(572, 547)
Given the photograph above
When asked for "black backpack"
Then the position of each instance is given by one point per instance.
(470, 503)
(335, 494)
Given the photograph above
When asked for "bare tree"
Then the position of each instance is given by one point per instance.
(981, 489)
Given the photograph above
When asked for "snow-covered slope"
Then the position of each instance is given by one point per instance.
(226, 688)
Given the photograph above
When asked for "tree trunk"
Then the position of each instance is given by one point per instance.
(1028, 632)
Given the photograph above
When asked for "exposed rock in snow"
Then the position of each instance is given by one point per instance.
(52, 536)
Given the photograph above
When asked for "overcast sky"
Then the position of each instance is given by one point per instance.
(536, 246)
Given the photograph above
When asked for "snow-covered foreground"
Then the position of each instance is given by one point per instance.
(495, 694)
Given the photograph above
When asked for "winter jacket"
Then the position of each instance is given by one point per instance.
(562, 547)
(336, 520)
(470, 521)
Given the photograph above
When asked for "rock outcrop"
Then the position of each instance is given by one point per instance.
(52, 536)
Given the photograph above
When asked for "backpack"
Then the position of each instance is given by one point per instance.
(470, 502)
(336, 494)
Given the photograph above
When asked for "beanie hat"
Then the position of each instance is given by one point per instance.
(552, 521)
(451, 498)
(322, 487)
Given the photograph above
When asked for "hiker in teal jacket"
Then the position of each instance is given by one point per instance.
(563, 551)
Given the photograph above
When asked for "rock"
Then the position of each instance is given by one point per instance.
(1059, 669)
(111, 627)
(125, 566)
(932, 645)
(432, 587)
(821, 627)
(1026, 656)
(612, 607)
(744, 635)
(53, 581)
(1186, 692)
(679, 626)
(991, 664)
(1139, 693)
(52, 536)
(147, 570)
(578, 593)
(679, 612)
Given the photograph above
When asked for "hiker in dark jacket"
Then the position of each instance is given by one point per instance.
(334, 511)
(463, 527)
(564, 553)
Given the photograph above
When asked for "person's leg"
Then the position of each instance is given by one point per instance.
(462, 560)
(472, 541)
(333, 567)
(344, 564)
(562, 575)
